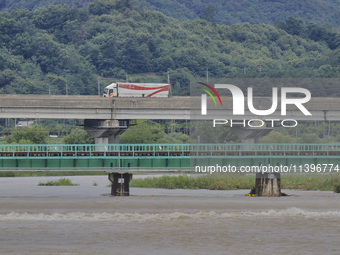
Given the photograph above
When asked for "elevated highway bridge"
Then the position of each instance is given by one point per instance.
(180, 108)
(106, 118)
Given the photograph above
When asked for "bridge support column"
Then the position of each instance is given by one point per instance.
(106, 131)
(120, 184)
(268, 184)
(250, 135)
(113, 139)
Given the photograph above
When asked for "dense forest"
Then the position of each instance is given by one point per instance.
(10, 5)
(221, 11)
(63, 49)
(68, 49)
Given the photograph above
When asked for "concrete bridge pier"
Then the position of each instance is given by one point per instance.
(120, 183)
(268, 185)
(250, 135)
(114, 139)
(106, 131)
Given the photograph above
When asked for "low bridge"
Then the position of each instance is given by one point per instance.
(121, 160)
(141, 157)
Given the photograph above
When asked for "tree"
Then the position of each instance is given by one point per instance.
(204, 132)
(58, 83)
(293, 26)
(2, 4)
(143, 132)
(100, 7)
(310, 138)
(59, 128)
(122, 5)
(209, 12)
(78, 136)
(28, 135)
(277, 137)
(174, 138)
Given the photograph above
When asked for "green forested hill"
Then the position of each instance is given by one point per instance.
(59, 46)
(252, 11)
(10, 5)
(268, 11)
(223, 11)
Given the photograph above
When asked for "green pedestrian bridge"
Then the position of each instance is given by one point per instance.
(161, 157)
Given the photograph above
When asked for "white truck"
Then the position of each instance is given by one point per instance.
(120, 89)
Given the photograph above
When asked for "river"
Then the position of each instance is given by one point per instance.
(84, 220)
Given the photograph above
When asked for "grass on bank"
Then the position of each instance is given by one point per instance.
(60, 182)
(330, 182)
(187, 182)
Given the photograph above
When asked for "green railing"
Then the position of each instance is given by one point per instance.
(269, 147)
(92, 147)
(162, 156)
(96, 150)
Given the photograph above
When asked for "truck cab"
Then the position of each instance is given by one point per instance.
(110, 90)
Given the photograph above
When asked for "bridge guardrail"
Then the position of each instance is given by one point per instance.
(167, 149)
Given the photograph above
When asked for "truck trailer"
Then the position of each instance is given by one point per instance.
(120, 89)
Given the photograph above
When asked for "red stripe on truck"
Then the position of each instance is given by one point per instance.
(160, 90)
(136, 87)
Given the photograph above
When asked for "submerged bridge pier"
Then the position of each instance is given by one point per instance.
(267, 185)
(120, 184)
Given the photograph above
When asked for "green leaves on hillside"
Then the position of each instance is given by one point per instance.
(220, 11)
(314, 31)
(59, 47)
(29, 54)
(254, 11)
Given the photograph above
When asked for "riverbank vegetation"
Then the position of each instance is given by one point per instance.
(237, 181)
(60, 182)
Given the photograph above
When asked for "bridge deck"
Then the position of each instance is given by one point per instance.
(95, 107)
